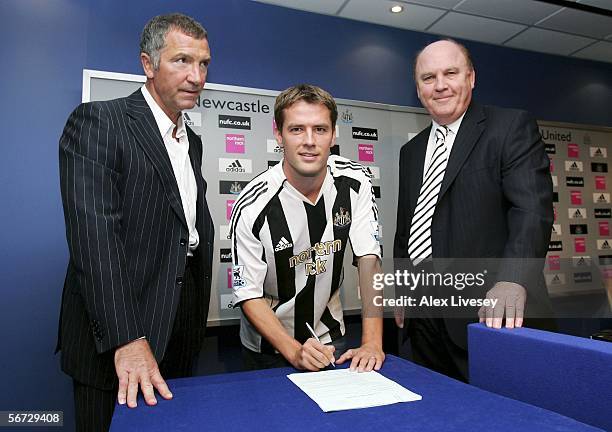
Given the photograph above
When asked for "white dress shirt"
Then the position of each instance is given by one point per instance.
(453, 128)
(178, 151)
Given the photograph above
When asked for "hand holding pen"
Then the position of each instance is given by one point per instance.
(314, 335)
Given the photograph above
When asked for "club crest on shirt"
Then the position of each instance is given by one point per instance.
(342, 218)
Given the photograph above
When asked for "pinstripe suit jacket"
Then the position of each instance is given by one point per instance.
(127, 236)
(495, 201)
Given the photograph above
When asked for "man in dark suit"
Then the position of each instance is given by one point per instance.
(140, 235)
(475, 184)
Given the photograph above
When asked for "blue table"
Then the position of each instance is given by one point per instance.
(267, 401)
(566, 374)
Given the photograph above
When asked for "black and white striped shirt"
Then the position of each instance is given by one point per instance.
(290, 251)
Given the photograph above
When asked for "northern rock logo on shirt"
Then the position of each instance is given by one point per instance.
(317, 265)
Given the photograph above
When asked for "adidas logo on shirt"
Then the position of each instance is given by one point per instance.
(282, 245)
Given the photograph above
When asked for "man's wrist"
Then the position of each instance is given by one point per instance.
(292, 352)
(372, 333)
(129, 342)
(372, 339)
(371, 342)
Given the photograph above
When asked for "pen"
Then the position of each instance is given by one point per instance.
(314, 335)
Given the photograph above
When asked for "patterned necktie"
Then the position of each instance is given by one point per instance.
(419, 242)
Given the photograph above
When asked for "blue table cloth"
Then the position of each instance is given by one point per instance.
(267, 401)
(566, 374)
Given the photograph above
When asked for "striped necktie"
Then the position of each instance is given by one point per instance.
(419, 242)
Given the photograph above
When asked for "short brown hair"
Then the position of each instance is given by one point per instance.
(308, 93)
(464, 50)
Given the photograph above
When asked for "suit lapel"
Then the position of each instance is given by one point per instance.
(204, 223)
(195, 157)
(146, 132)
(470, 130)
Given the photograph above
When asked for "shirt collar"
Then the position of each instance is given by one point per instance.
(452, 127)
(164, 123)
(280, 173)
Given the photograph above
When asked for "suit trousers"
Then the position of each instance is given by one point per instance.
(433, 348)
(94, 407)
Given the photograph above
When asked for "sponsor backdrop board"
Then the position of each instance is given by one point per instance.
(236, 125)
(580, 251)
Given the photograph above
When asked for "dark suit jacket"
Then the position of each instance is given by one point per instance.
(127, 236)
(495, 200)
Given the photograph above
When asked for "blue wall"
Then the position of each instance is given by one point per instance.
(47, 43)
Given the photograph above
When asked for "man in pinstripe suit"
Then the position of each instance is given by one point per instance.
(140, 236)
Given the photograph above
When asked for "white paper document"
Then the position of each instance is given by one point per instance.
(341, 389)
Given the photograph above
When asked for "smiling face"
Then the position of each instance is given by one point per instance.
(177, 82)
(307, 135)
(444, 81)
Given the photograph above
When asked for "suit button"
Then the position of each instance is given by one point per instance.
(183, 242)
(179, 281)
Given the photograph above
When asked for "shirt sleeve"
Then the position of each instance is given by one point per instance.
(364, 232)
(249, 269)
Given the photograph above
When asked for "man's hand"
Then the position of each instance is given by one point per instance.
(135, 365)
(399, 314)
(365, 358)
(510, 298)
(313, 356)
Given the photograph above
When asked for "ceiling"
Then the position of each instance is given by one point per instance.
(572, 28)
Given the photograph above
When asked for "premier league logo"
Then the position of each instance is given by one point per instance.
(237, 274)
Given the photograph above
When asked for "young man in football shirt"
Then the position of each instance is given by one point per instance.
(290, 228)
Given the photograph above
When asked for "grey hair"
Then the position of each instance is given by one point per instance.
(153, 37)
